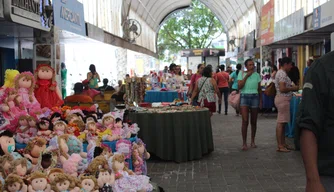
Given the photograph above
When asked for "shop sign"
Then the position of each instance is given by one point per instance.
(267, 23)
(213, 52)
(31, 13)
(323, 15)
(69, 16)
(191, 52)
(289, 26)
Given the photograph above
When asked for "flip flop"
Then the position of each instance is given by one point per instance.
(289, 147)
(283, 150)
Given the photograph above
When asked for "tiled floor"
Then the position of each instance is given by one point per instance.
(228, 169)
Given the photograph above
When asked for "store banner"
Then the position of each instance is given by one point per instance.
(69, 16)
(323, 15)
(267, 23)
(290, 26)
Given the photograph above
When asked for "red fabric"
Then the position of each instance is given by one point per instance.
(210, 105)
(194, 79)
(79, 98)
(45, 96)
(222, 79)
(91, 93)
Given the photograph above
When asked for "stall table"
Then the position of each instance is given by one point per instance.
(290, 127)
(153, 96)
(176, 136)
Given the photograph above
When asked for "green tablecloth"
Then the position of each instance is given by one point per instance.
(179, 136)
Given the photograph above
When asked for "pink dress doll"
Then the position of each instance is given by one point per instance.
(47, 92)
(24, 85)
(22, 132)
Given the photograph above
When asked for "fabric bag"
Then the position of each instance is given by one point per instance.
(270, 90)
(234, 100)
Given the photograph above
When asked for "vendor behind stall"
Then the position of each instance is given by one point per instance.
(78, 95)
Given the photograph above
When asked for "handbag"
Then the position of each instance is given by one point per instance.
(196, 97)
(234, 99)
(270, 90)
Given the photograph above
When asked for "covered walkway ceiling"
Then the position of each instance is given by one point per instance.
(154, 11)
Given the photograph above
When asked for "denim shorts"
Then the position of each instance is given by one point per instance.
(250, 100)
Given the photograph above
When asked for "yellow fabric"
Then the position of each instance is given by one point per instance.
(106, 132)
(82, 136)
(10, 75)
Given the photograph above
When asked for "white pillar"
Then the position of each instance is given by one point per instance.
(332, 41)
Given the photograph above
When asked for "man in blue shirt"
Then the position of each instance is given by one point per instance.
(309, 63)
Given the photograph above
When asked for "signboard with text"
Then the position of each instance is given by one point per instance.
(323, 15)
(267, 23)
(69, 16)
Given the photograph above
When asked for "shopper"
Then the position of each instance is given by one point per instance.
(284, 88)
(315, 125)
(193, 81)
(273, 74)
(206, 88)
(120, 83)
(178, 75)
(309, 63)
(119, 95)
(172, 68)
(222, 79)
(93, 77)
(190, 74)
(78, 95)
(293, 74)
(105, 86)
(234, 81)
(249, 83)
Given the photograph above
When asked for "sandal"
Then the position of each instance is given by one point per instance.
(283, 150)
(289, 147)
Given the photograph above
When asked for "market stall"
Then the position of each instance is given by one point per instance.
(176, 134)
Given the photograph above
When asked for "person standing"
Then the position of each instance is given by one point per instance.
(249, 83)
(309, 63)
(63, 80)
(293, 74)
(193, 81)
(234, 81)
(93, 77)
(78, 95)
(222, 79)
(206, 88)
(284, 88)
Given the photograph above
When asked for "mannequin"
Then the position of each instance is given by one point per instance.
(266, 71)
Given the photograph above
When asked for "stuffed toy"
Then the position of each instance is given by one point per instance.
(59, 127)
(53, 174)
(64, 183)
(89, 184)
(45, 128)
(56, 116)
(47, 92)
(14, 183)
(38, 182)
(7, 145)
(143, 154)
(32, 126)
(71, 165)
(47, 161)
(105, 180)
(19, 167)
(126, 179)
(22, 129)
(118, 129)
(97, 163)
(24, 85)
(34, 148)
(5, 161)
(10, 75)
(106, 132)
(137, 160)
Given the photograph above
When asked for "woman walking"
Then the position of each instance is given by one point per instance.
(193, 81)
(234, 81)
(284, 89)
(93, 77)
(222, 79)
(249, 83)
(206, 89)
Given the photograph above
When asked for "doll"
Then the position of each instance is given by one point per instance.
(24, 85)
(126, 179)
(118, 129)
(22, 130)
(137, 160)
(46, 162)
(105, 180)
(45, 128)
(64, 183)
(39, 183)
(55, 117)
(14, 183)
(108, 124)
(53, 174)
(89, 118)
(32, 126)
(59, 128)
(91, 131)
(46, 91)
(34, 148)
(5, 161)
(74, 124)
(96, 164)
(10, 75)
(143, 154)
(71, 165)
(19, 167)
(132, 128)
(89, 184)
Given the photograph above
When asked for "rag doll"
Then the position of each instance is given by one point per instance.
(126, 179)
(19, 167)
(59, 128)
(14, 183)
(64, 183)
(55, 117)
(22, 130)
(46, 162)
(105, 180)
(32, 126)
(74, 124)
(96, 164)
(89, 118)
(92, 133)
(108, 124)
(34, 148)
(45, 128)
(24, 85)
(39, 183)
(5, 161)
(137, 160)
(132, 128)
(89, 184)
(53, 174)
(10, 75)
(46, 91)
(71, 165)
(143, 154)
(118, 129)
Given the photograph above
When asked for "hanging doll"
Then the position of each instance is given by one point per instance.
(19, 167)
(34, 148)
(64, 183)
(45, 128)
(47, 92)
(71, 165)
(89, 184)
(24, 85)
(59, 128)
(105, 180)
(14, 183)
(39, 183)
(126, 179)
